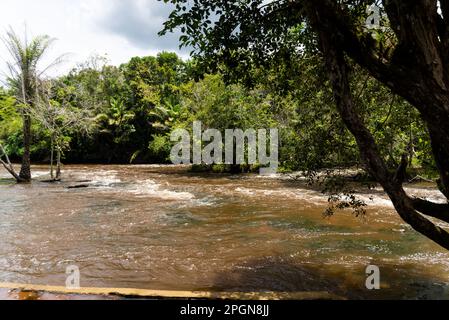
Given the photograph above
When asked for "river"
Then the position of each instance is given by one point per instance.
(161, 227)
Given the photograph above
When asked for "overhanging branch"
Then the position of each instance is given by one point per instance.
(435, 210)
(362, 49)
(338, 73)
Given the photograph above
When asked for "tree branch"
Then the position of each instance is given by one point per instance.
(362, 49)
(338, 73)
(7, 165)
(431, 209)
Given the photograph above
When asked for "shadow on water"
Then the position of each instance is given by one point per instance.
(397, 282)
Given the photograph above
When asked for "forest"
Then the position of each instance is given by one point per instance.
(123, 115)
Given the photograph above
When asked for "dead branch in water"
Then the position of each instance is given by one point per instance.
(420, 178)
(7, 164)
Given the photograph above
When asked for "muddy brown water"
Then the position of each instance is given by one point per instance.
(161, 227)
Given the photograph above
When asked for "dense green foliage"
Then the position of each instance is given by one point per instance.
(133, 109)
(10, 123)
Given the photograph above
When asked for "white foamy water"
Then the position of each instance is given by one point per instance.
(426, 258)
(312, 196)
(428, 194)
(102, 179)
(381, 200)
(40, 174)
(35, 174)
(109, 181)
(377, 198)
(300, 194)
(149, 188)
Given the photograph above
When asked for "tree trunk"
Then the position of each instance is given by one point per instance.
(441, 156)
(25, 171)
(58, 164)
(52, 151)
(8, 165)
(338, 73)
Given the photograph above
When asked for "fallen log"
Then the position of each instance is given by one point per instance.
(79, 186)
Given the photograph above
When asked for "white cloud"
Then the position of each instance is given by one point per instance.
(119, 28)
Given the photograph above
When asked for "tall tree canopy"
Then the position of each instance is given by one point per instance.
(408, 53)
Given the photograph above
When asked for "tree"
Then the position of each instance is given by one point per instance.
(57, 117)
(24, 75)
(409, 55)
(152, 95)
(81, 98)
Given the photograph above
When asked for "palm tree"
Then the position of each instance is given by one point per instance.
(24, 78)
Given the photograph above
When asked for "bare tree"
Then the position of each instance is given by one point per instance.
(57, 117)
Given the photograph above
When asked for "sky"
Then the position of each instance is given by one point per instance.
(119, 29)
